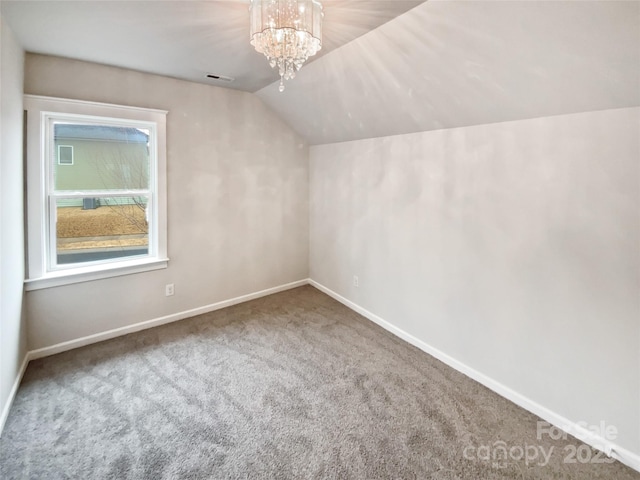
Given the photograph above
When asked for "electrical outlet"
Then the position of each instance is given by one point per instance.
(169, 290)
(356, 282)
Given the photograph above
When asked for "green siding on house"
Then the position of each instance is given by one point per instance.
(103, 158)
(102, 165)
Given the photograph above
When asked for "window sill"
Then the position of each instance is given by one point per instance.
(87, 274)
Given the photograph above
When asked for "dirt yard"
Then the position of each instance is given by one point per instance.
(122, 226)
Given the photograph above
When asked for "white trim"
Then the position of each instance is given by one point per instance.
(94, 104)
(100, 193)
(101, 270)
(623, 455)
(136, 327)
(43, 270)
(12, 393)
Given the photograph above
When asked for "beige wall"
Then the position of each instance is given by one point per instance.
(237, 202)
(511, 247)
(13, 345)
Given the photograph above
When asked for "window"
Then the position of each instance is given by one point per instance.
(106, 216)
(65, 154)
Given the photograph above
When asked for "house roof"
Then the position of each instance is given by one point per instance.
(100, 132)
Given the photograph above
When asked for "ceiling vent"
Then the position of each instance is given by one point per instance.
(222, 78)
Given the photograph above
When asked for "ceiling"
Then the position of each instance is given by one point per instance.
(183, 39)
(449, 64)
(387, 67)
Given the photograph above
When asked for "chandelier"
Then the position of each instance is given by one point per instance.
(287, 32)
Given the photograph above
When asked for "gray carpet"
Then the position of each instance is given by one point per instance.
(290, 386)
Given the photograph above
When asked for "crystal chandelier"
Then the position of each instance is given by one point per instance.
(287, 32)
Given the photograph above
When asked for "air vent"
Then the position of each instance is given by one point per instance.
(222, 78)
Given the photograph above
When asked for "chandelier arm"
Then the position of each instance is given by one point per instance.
(286, 32)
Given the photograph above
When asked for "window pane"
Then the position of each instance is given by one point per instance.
(65, 155)
(97, 229)
(104, 157)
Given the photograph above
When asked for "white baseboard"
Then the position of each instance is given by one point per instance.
(117, 332)
(12, 394)
(625, 456)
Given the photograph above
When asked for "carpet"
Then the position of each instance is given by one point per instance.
(289, 386)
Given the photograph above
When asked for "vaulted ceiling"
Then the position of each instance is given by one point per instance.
(387, 67)
(451, 64)
(185, 39)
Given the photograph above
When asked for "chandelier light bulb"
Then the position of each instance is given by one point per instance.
(287, 32)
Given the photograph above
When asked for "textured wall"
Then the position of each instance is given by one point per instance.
(237, 201)
(511, 247)
(12, 325)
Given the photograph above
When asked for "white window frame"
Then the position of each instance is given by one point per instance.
(42, 270)
(59, 156)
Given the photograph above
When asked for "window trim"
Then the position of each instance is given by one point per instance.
(49, 120)
(39, 110)
(59, 156)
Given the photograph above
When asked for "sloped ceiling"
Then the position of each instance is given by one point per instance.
(184, 39)
(450, 64)
(387, 66)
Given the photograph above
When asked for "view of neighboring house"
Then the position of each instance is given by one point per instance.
(92, 159)
(100, 157)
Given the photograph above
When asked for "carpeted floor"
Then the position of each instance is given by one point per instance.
(290, 386)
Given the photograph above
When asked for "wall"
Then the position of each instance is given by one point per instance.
(12, 324)
(237, 202)
(513, 248)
